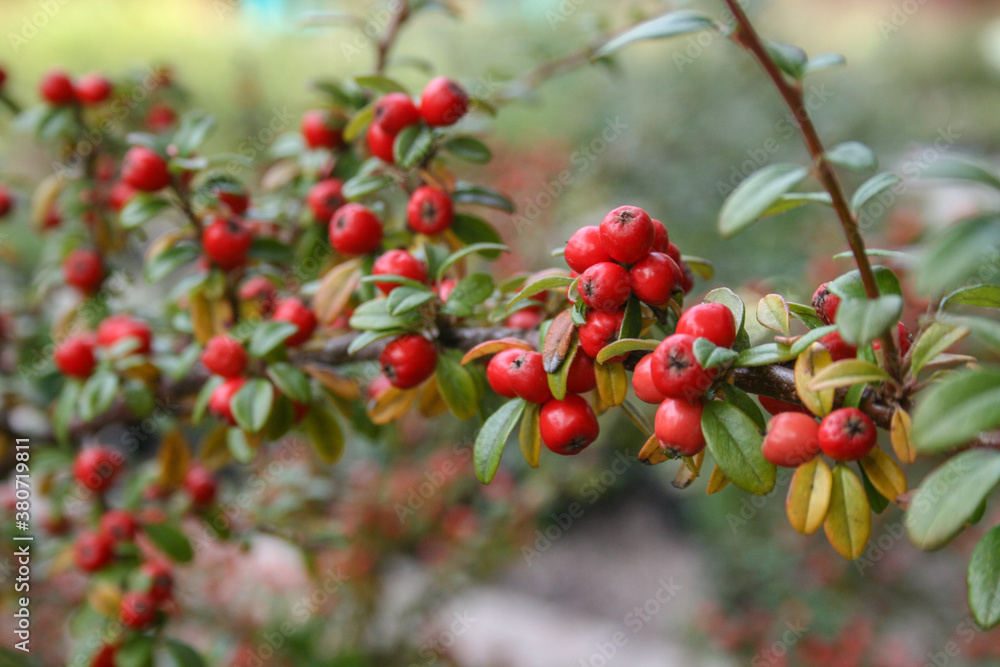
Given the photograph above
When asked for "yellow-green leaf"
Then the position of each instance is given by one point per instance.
(848, 522)
(808, 497)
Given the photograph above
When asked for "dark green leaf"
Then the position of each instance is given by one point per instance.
(734, 441)
(469, 193)
(632, 320)
(159, 267)
(742, 400)
(375, 316)
(984, 580)
(956, 410)
(204, 395)
(458, 388)
(863, 320)
(169, 539)
(271, 251)
(183, 655)
(475, 248)
(325, 431)
(268, 336)
(140, 208)
(492, 439)
(751, 198)
(470, 229)
(97, 394)
(468, 293)
(877, 501)
(136, 651)
(405, 298)
(412, 145)
(709, 355)
(469, 149)
(290, 381)
(252, 404)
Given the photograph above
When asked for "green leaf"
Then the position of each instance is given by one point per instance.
(140, 208)
(877, 252)
(794, 200)
(710, 355)
(358, 122)
(667, 25)
(763, 355)
(847, 372)
(699, 266)
(624, 346)
(468, 293)
(790, 59)
(136, 651)
(539, 286)
(756, 194)
(950, 496)
(934, 340)
(412, 145)
(359, 187)
(955, 411)
(471, 229)
(239, 446)
(863, 320)
(730, 300)
(984, 580)
(159, 267)
(469, 149)
(404, 299)
(803, 342)
(268, 336)
(292, 382)
(850, 285)
(97, 394)
(854, 156)
(169, 539)
(475, 248)
(271, 251)
(805, 314)
(375, 316)
(872, 188)
(734, 441)
(469, 193)
(632, 320)
(877, 501)
(379, 83)
(201, 402)
(366, 338)
(824, 61)
(183, 655)
(66, 408)
(458, 388)
(983, 296)
(195, 126)
(964, 169)
(325, 431)
(252, 404)
(773, 313)
(987, 330)
(394, 279)
(742, 400)
(959, 253)
(492, 439)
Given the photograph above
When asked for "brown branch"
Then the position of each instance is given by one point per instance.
(399, 16)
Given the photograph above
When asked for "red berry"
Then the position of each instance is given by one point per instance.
(378, 386)
(325, 198)
(320, 129)
(584, 249)
(600, 330)
(605, 286)
(138, 610)
(674, 253)
(581, 377)
(904, 339)
(117, 328)
(160, 117)
(161, 579)
(642, 382)
(294, 311)
(395, 111)
(234, 198)
(792, 439)
(200, 485)
(847, 434)
(226, 242)
(144, 169)
(661, 240)
(398, 263)
(75, 356)
(528, 378)
(430, 211)
(92, 551)
(526, 318)
(675, 370)
(678, 427)
(221, 402)
(443, 102)
(6, 202)
(826, 304)
(121, 193)
(837, 347)
(95, 468)
(709, 320)
(355, 230)
(776, 406)
(498, 371)
(119, 525)
(627, 234)
(105, 656)
(568, 426)
(445, 288)
(380, 143)
(56, 88)
(225, 356)
(408, 360)
(93, 89)
(655, 278)
(84, 270)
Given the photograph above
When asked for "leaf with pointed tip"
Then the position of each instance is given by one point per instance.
(751, 198)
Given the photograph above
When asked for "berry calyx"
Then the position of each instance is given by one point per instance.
(398, 263)
(325, 198)
(600, 330)
(95, 468)
(355, 230)
(627, 234)
(605, 287)
(568, 426)
(655, 278)
(847, 434)
(83, 268)
(528, 378)
(713, 321)
(92, 89)
(676, 371)
(225, 356)
(825, 303)
(395, 111)
(792, 439)
(320, 129)
(145, 170)
(584, 249)
(56, 88)
(138, 610)
(642, 382)
(443, 102)
(75, 356)
(200, 485)
(380, 143)
(581, 378)
(117, 328)
(498, 371)
(119, 525)
(92, 551)
(408, 360)
(294, 311)
(430, 211)
(226, 242)
(678, 427)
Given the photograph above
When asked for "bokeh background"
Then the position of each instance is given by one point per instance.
(597, 560)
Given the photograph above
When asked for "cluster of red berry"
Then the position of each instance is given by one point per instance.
(442, 103)
(76, 356)
(59, 89)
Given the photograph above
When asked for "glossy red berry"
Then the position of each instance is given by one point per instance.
(600, 329)
(605, 287)
(355, 230)
(293, 310)
(838, 348)
(627, 234)
(325, 198)
(380, 143)
(528, 378)
(847, 434)
(92, 551)
(221, 401)
(903, 336)
(498, 371)
(232, 197)
(160, 118)
(226, 242)
(93, 89)
(83, 269)
(674, 253)
(642, 382)
(430, 211)
(6, 202)
(395, 111)
(568, 426)
(655, 278)
(145, 170)
(161, 580)
(200, 485)
(225, 356)
(320, 129)
(678, 427)
(117, 328)
(526, 318)
(825, 303)
(581, 377)
(398, 263)
(443, 102)
(676, 371)
(119, 525)
(408, 360)
(792, 439)
(95, 468)
(138, 610)
(120, 194)
(776, 406)
(661, 239)
(709, 320)
(56, 88)
(584, 249)
(75, 356)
